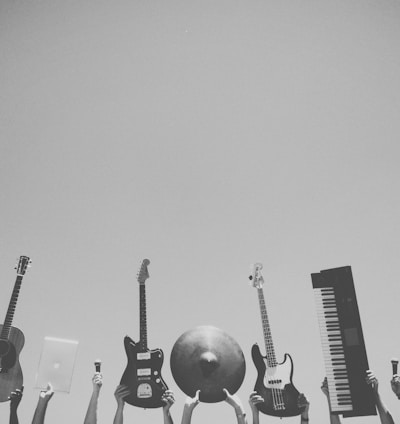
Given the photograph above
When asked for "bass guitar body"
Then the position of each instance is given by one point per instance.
(10, 369)
(143, 376)
(275, 385)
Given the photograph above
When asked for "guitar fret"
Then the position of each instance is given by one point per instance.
(269, 347)
(143, 319)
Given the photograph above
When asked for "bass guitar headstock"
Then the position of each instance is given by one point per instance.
(23, 263)
(256, 277)
(143, 273)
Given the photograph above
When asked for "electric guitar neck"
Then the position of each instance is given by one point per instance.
(143, 372)
(274, 380)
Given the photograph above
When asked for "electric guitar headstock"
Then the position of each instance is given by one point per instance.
(256, 278)
(23, 263)
(143, 273)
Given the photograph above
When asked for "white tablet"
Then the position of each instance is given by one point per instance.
(56, 364)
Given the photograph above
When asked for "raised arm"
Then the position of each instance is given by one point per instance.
(383, 412)
(120, 393)
(190, 404)
(91, 413)
(15, 399)
(302, 402)
(395, 384)
(235, 402)
(168, 399)
(40, 411)
(255, 399)
(334, 418)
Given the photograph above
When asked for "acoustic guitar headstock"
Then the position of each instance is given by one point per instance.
(23, 263)
(256, 277)
(143, 273)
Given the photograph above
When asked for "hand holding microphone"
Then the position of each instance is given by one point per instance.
(395, 382)
(97, 378)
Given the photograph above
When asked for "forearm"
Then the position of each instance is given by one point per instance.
(240, 415)
(40, 412)
(334, 418)
(384, 414)
(304, 416)
(167, 417)
(119, 415)
(256, 415)
(91, 413)
(13, 416)
(186, 415)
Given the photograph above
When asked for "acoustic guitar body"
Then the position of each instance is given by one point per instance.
(143, 376)
(10, 369)
(275, 385)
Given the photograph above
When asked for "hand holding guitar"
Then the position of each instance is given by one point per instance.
(168, 399)
(15, 399)
(121, 392)
(254, 400)
(303, 404)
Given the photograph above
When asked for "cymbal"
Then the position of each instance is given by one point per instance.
(207, 359)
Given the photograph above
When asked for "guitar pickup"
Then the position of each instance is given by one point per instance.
(141, 372)
(142, 356)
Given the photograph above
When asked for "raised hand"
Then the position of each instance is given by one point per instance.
(395, 384)
(191, 403)
(47, 394)
(372, 380)
(15, 398)
(254, 400)
(120, 393)
(168, 399)
(324, 387)
(233, 400)
(97, 381)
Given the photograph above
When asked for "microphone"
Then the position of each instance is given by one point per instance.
(97, 364)
(394, 362)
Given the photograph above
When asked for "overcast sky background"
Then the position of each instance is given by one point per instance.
(205, 136)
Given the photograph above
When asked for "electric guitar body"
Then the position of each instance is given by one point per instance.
(142, 374)
(274, 380)
(275, 383)
(12, 341)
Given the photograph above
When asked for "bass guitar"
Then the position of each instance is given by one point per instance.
(12, 341)
(274, 380)
(143, 372)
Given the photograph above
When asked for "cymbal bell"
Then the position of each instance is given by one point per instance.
(207, 359)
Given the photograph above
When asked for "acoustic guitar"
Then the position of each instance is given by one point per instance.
(12, 341)
(143, 372)
(274, 380)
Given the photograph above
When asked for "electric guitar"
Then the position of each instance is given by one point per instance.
(274, 380)
(143, 372)
(12, 341)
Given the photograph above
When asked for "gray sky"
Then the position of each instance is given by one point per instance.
(205, 136)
